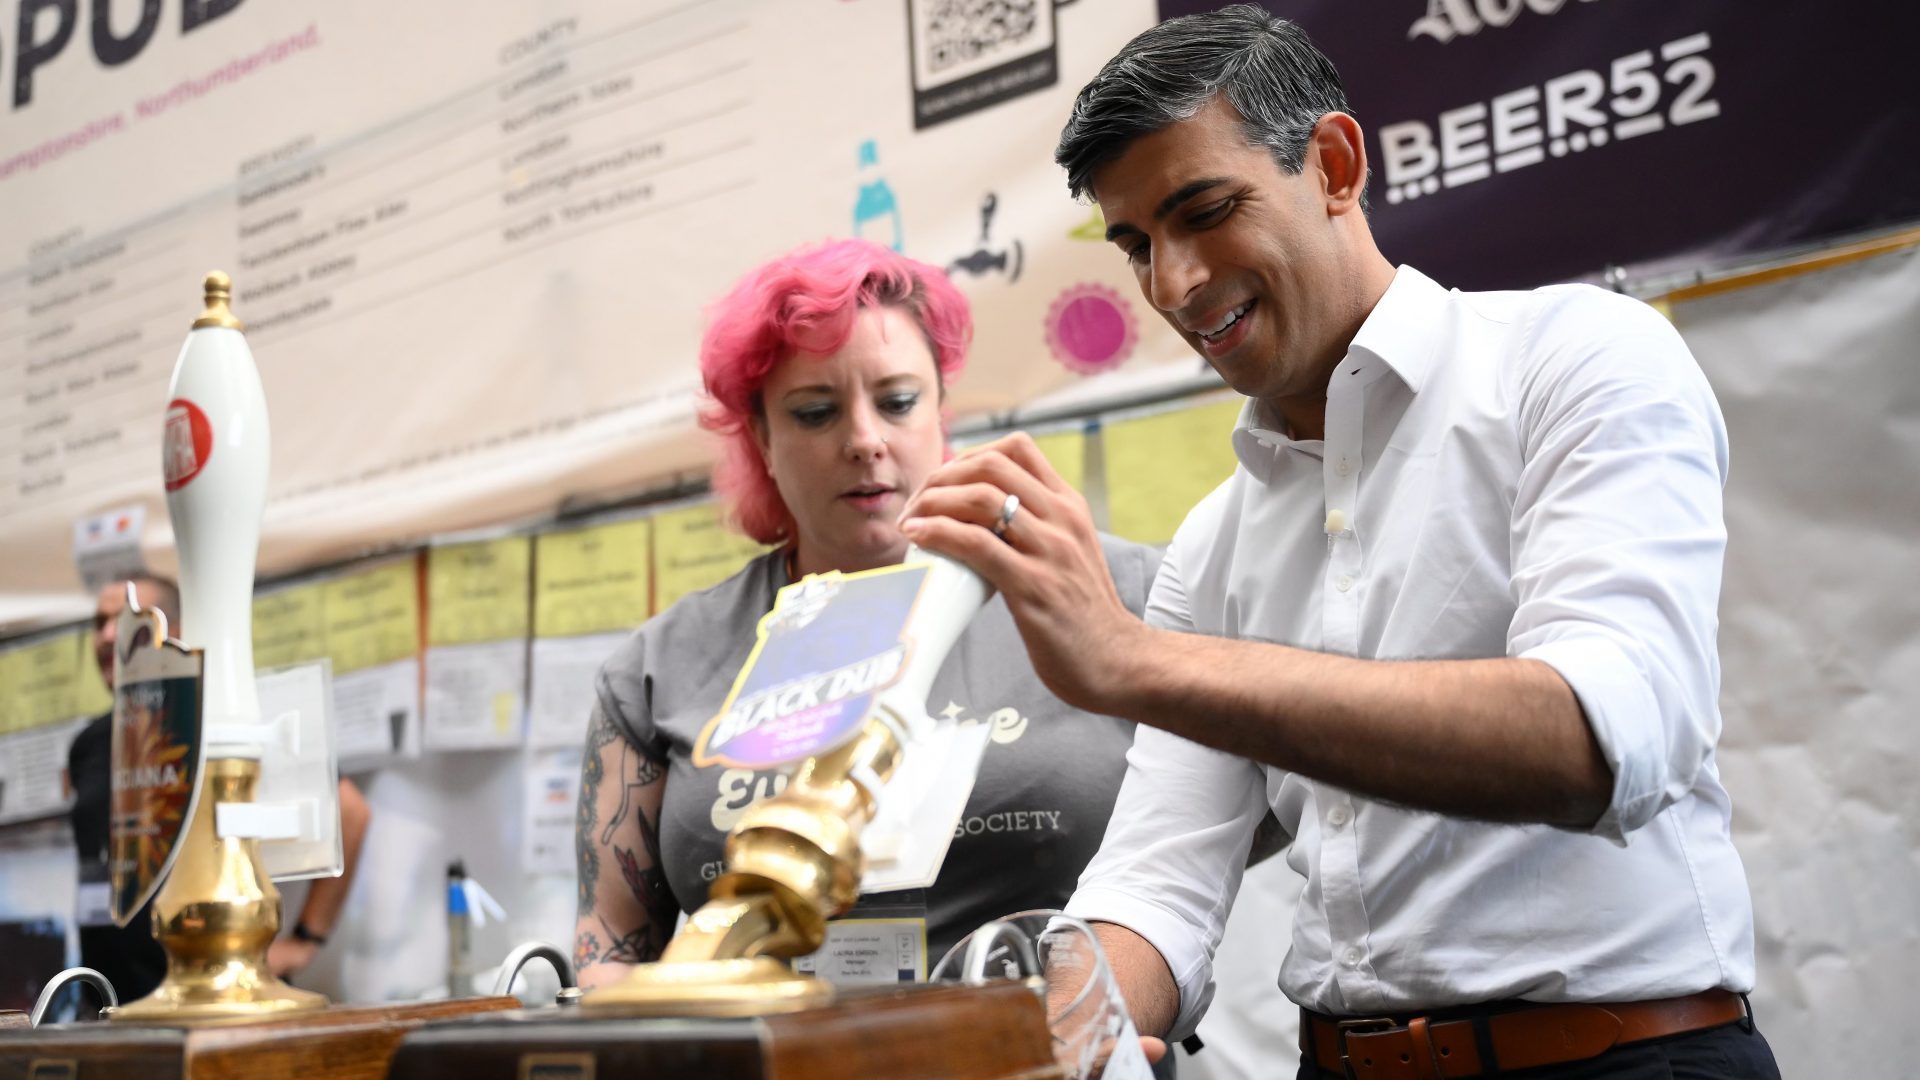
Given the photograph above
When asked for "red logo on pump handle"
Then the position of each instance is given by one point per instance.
(187, 445)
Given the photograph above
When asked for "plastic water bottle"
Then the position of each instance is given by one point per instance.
(459, 933)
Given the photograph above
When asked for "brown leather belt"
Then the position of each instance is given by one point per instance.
(1422, 1048)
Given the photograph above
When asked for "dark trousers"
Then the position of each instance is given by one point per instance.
(1729, 1052)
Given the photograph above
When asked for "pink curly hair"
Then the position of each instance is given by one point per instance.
(806, 302)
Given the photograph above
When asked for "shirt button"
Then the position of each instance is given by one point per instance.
(1339, 815)
(1345, 468)
(1345, 583)
(1352, 956)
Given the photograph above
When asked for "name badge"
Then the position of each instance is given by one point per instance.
(882, 940)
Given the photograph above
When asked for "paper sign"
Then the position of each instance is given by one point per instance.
(560, 686)
(106, 546)
(1159, 466)
(550, 803)
(831, 643)
(372, 616)
(372, 628)
(593, 580)
(41, 679)
(32, 768)
(289, 627)
(693, 550)
(478, 592)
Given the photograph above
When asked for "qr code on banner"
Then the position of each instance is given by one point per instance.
(956, 38)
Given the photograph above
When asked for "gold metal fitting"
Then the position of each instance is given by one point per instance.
(793, 862)
(219, 312)
(215, 916)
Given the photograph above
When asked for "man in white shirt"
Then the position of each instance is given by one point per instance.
(1452, 619)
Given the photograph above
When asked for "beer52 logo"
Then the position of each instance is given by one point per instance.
(1637, 94)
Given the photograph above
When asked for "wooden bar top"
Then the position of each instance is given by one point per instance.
(942, 1032)
(347, 1042)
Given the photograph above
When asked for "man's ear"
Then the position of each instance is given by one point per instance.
(1338, 151)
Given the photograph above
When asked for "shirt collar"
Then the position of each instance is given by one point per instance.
(1257, 438)
(1401, 331)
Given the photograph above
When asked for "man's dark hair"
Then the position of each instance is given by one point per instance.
(1280, 84)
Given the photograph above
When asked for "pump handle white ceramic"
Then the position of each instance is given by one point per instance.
(950, 598)
(214, 455)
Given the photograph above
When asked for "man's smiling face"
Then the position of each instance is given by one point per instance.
(1243, 259)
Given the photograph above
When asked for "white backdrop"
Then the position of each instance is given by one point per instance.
(1820, 648)
(473, 243)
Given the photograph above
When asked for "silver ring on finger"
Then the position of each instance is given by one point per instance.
(1007, 509)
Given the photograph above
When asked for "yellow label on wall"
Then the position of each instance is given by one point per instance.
(1066, 451)
(593, 580)
(479, 591)
(289, 626)
(692, 550)
(372, 616)
(40, 679)
(1159, 466)
(9, 705)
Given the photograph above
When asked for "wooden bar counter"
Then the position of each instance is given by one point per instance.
(344, 1042)
(944, 1032)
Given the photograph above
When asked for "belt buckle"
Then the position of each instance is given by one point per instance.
(1365, 1026)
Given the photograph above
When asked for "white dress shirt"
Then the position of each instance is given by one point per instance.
(1529, 474)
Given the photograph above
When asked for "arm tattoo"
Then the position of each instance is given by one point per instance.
(636, 771)
(632, 769)
(633, 948)
(600, 732)
(586, 950)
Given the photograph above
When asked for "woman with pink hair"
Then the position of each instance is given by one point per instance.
(826, 371)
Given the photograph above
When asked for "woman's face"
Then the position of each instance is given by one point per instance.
(848, 435)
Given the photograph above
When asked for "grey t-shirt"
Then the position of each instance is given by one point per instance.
(1039, 807)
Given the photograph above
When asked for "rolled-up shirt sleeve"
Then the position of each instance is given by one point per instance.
(1176, 846)
(1618, 540)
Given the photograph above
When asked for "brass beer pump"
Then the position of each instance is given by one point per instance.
(218, 911)
(795, 861)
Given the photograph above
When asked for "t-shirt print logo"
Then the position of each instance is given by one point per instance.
(740, 790)
(1008, 724)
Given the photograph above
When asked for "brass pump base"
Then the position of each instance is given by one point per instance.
(792, 862)
(215, 917)
(756, 987)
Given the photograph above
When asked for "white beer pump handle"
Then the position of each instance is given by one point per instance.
(215, 457)
(950, 598)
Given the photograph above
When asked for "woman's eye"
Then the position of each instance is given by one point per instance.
(812, 415)
(899, 404)
(1137, 254)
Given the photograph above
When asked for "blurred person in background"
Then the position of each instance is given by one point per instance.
(130, 957)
